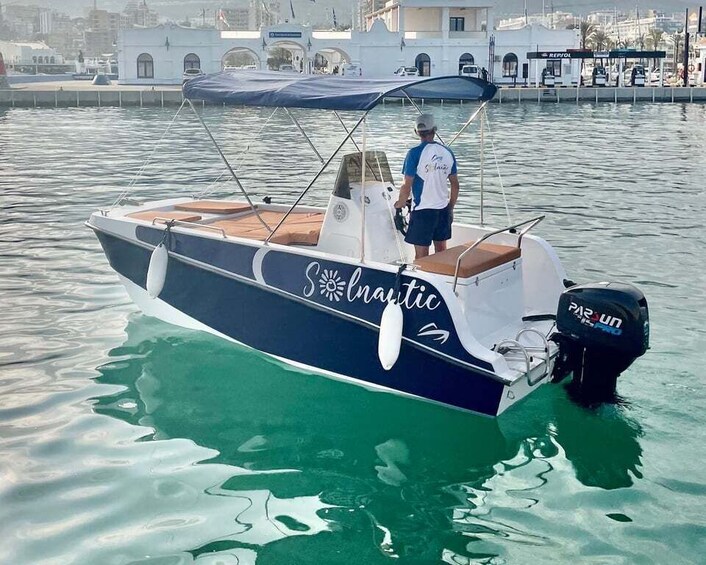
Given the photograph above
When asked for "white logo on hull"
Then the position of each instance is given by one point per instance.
(413, 294)
(433, 330)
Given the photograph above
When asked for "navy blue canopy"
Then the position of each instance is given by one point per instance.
(327, 92)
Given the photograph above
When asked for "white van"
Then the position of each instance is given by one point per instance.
(470, 71)
(407, 72)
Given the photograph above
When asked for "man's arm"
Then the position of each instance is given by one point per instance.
(453, 181)
(405, 192)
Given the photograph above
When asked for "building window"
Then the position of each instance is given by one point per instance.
(510, 65)
(554, 67)
(52, 60)
(465, 59)
(145, 66)
(192, 61)
(457, 24)
(423, 64)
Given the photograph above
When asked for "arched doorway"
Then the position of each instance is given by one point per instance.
(145, 66)
(192, 61)
(287, 56)
(329, 61)
(465, 59)
(240, 58)
(510, 66)
(423, 64)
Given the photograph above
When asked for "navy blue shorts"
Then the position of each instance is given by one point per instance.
(428, 225)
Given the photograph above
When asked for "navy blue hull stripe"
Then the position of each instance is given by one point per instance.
(477, 366)
(221, 253)
(275, 324)
(302, 277)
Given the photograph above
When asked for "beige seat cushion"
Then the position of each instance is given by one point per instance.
(483, 258)
(149, 215)
(214, 207)
(300, 234)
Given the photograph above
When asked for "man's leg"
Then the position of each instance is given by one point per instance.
(421, 251)
(442, 230)
(439, 246)
(419, 231)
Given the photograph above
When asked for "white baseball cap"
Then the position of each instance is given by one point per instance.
(425, 122)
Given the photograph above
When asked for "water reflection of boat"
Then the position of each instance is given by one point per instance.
(252, 397)
(601, 443)
(411, 475)
(478, 326)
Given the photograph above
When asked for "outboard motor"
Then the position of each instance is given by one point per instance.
(601, 329)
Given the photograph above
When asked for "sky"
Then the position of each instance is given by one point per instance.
(306, 10)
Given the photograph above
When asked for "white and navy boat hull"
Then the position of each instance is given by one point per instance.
(277, 302)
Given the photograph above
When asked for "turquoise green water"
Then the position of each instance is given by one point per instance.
(123, 439)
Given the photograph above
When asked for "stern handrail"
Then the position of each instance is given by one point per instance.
(532, 222)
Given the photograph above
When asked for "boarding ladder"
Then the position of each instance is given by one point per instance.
(521, 355)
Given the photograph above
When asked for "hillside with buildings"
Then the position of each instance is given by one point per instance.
(42, 39)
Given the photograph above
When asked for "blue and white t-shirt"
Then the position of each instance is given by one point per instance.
(430, 164)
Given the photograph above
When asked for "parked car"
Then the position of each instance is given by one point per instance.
(191, 73)
(637, 75)
(407, 72)
(470, 71)
(287, 68)
(599, 76)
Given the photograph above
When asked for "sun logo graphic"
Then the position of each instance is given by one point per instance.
(331, 285)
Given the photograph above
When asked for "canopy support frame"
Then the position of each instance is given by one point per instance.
(301, 130)
(232, 172)
(316, 177)
(468, 123)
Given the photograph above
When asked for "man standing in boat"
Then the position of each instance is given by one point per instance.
(429, 169)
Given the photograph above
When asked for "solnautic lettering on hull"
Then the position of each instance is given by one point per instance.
(335, 288)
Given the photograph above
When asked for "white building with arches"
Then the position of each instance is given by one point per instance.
(436, 36)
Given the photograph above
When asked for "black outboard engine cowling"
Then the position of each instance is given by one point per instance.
(602, 328)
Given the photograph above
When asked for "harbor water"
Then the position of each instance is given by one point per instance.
(127, 440)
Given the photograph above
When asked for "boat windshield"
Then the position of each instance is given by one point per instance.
(351, 170)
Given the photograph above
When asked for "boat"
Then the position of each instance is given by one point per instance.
(336, 291)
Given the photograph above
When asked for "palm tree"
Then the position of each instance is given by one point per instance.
(599, 40)
(654, 38)
(586, 30)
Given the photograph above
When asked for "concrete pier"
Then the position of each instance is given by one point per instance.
(81, 94)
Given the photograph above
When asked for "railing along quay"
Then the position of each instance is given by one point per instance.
(114, 96)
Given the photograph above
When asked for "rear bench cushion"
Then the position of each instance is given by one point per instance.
(483, 258)
(149, 215)
(214, 207)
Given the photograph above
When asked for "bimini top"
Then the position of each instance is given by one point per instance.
(327, 92)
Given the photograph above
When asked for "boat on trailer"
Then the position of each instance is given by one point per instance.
(336, 290)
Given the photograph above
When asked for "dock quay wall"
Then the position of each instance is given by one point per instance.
(170, 96)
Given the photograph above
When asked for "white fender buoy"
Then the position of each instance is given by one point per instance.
(157, 271)
(390, 338)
